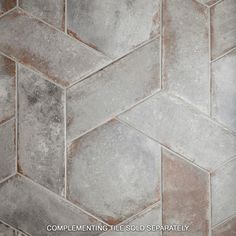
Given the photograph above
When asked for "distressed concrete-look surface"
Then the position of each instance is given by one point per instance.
(117, 113)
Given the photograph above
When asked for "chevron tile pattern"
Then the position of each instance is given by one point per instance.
(117, 115)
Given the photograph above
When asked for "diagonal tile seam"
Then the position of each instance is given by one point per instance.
(7, 119)
(164, 146)
(223, 55)
(223, 164)
(7, 12)
(114, 116)
(224, 221)
(115, 60)
(8, 177)
(211, 5)
(13, 228)
(58, 30)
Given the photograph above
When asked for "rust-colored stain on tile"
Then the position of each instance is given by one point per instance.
(6, 5)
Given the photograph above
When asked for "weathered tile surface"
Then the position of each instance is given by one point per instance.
(6, 230)
(224, 90)
(113, 27)
(7, 149)
(112, 90)
(151, 217)
(51, 11)
(228, 228)
(179, 126)
(208, 2)
(185, 195)
(114, 172)
(6, 5)
(223, 32)
(224, 192)
(7, 88)
(41, 130)
(185, 41)
(47, 50)
(43, 208)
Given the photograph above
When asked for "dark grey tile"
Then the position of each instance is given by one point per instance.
(51, 11)
(47, 50)
(7, 88)
(41, 130)
(114, 172)
(7, 149)
(31, 208)
(113, 27)
(112, 90)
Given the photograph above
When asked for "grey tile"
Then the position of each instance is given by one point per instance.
(224, 192)
(41, 141)
(51, 11)
(31, 208)
(185, 196)
(224, 90)
(141, 223)
(185, 40)
(114, 172)
(223, 32)
(5, 230)
(227, 228)
(183, 129)
(113, 89)
(208, 2)
(7, 88)
(113, 27)
(6, 5)
(47, 50)
(7, 149)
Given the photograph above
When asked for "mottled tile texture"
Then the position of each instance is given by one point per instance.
(113, 27)
(117, 113)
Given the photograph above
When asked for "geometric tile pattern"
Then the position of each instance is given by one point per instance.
(117, 113)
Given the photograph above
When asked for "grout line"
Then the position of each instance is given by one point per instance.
(212, 5)
(7, 178)
(223, 55)
(32, 70)
(164, 146)
(209, 64)
(65, 26)
(222, 165)
(210, 204)
(65, 144)
(224, 221)
(7, 12)
(16, 115)
(161, 186)
(13, 228)
(161, 43)
(112, 117)
(63, 32)
(17, 3)
(114, 61)
(7, 120)
(56, 196)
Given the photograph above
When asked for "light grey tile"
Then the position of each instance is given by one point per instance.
(47, 50)
(224, 90)
(185, 51)
(113, 27)
(227, 228)
(113, 89)
(41, 130)
(31, 208)
(223, 31)
(142, 223)
(183, 129)
(224, 192)
(6, 5)
(114, 172)
(209, 2)
(7, 88)
(51, 11)
(7, 149)
(5, 230)
(185, 196)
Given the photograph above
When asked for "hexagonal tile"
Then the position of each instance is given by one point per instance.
(113, 27)
(114, 172)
